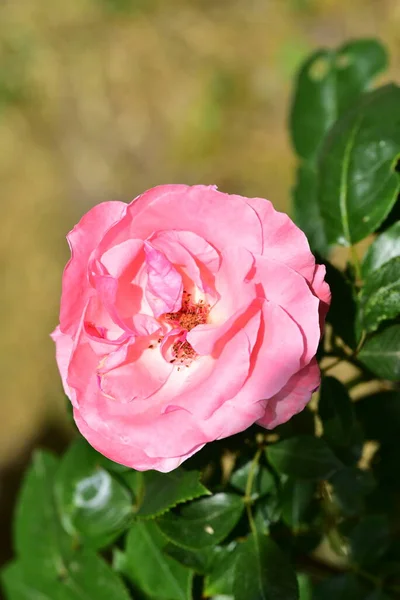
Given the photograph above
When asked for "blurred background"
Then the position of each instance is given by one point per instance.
(102, 99)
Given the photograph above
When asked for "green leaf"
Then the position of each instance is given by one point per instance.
(336, 411)
(381, 353)
(199, 560)
(162, 491)
(296, 496)
(343, 587)
(358, 184)
(204, 522)
(150, 569)
(92, 504)
(370, 539)
(307, 214)
(380, 295)
(350, 487)
(90, 577)
(304, 457)
(328, 82)
(342, 312)
(39, 539)
(379, 415)
(220, 580)
(18, 586)
(263, 481)
(87, 576)
(385, 247)
(263, 572)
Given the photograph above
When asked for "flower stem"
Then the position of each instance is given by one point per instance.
(249, 487)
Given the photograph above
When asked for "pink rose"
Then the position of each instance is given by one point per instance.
(186, 316)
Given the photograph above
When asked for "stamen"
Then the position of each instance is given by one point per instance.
(189, 316)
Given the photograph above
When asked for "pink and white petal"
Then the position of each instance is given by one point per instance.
(126, 454)
(164, 287)
(283, 240)
(275, 358)
(288, 289)
(293, 397)
(198, 259)
(198, 209)
(126, 256)
(206, 338)
(83, 239)
(216, 380)
(137, 373)
(232, 285)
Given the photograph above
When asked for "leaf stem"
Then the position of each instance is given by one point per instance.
(249, 487)
(356, 263)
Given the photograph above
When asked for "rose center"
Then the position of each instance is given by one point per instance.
(190, 315)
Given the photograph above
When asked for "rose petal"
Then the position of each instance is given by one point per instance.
(164, 285)
(83, 239)
(293, 397)
(289, 290)
(283, 240)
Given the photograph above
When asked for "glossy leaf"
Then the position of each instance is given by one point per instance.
(92, 504)
(89, 576)
(296, 496)
(263, 572)
(328, 82)
(197, 560)
(380, 296)
(39, 539)
(162, 491)
(204, 522)
(358, 184)
(263, 481)
(150, 569)
(304, 457)
(220, 580)
(86, 576)
(385, 247)
(307, 213)
(336, 411)
(381, 353)
(18, 586)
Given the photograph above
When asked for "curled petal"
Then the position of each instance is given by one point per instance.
(282, 240)
(164, 285)
(293, 397)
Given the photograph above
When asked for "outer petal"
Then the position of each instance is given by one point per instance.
(83, 239)
(198, 209)
(288, 289)
(64, 345)
(293, 397)
(283, 240)
(128, 455)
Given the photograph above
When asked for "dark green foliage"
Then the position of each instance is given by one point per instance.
(250, 517)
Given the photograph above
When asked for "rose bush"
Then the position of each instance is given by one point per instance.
(186, 316)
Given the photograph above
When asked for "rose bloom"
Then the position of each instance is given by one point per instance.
(186, 316)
